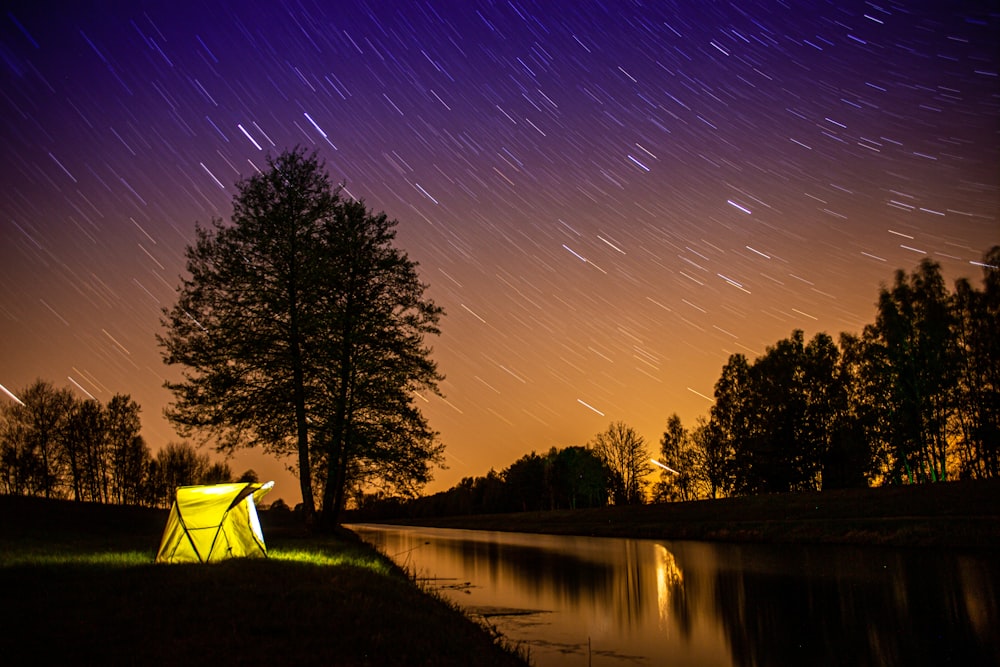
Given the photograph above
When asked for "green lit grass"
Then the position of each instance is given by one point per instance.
(41, 557)
(326, 558)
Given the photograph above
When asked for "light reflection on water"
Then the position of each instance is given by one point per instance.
(605, 601)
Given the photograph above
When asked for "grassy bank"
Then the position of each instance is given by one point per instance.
(952, 515)
(79, 587)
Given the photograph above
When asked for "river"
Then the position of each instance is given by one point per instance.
(608, 602)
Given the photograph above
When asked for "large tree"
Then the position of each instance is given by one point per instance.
(375, 362)
(300, 329)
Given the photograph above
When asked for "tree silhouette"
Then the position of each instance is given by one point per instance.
(376, 360)
(977, 332)
(624, 453)
(84, 449)
(575, 477)
(913, 336)
(180, 464)
(301, 329)
(31, 441)
(248, 318)
(849, 459)
(678, 452)
(729, 424)
(712, 458)
(129, 456)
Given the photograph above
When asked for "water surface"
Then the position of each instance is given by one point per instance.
(609, 601)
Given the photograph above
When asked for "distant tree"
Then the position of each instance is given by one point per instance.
(575, 477)
(84, 450)
(154, 484)
(730, 424)
(624, 453)
(129, 455)
(913, 331)
(712, 458)
(849, 461)
(679, 454)
(472, 495)
(17, 462)
(217, 472)
(771, 459)
(977, 333)
(31, 441)
(825, 405)
(178, 464)
(524, 484)
(782, 414)
(301, 329)
(279, 505)
(249, 475)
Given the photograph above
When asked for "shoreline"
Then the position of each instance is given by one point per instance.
(950, 515)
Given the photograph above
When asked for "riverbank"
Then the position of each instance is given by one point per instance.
(80, 587)
(960, 515)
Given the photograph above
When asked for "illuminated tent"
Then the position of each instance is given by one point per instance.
(211, 523)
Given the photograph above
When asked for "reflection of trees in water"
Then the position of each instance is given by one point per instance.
(622, 586)
(780, 605)
(671, 596)
(914, 610)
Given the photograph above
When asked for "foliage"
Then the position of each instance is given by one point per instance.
(914, 342)
(568, 478)
(916, 396)
(301, 329)
(623, 452)
(678, 452)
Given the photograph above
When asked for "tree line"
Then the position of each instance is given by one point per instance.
(611, 468)
(55, 445)
(914, 398)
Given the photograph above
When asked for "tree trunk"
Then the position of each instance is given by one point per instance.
(302, 425)
(333, 494)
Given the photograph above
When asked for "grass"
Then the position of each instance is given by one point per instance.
(946, 515)
(78, 586)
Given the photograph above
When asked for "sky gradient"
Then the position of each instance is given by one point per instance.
(608, 199)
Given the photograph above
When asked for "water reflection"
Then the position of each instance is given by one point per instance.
(600, 601)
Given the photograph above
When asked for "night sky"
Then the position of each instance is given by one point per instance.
(608, 199)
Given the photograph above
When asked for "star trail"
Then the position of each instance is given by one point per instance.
(607, 198)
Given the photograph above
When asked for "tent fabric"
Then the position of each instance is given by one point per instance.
(214, 522)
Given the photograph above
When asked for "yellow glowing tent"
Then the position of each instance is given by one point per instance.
(210, 523)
